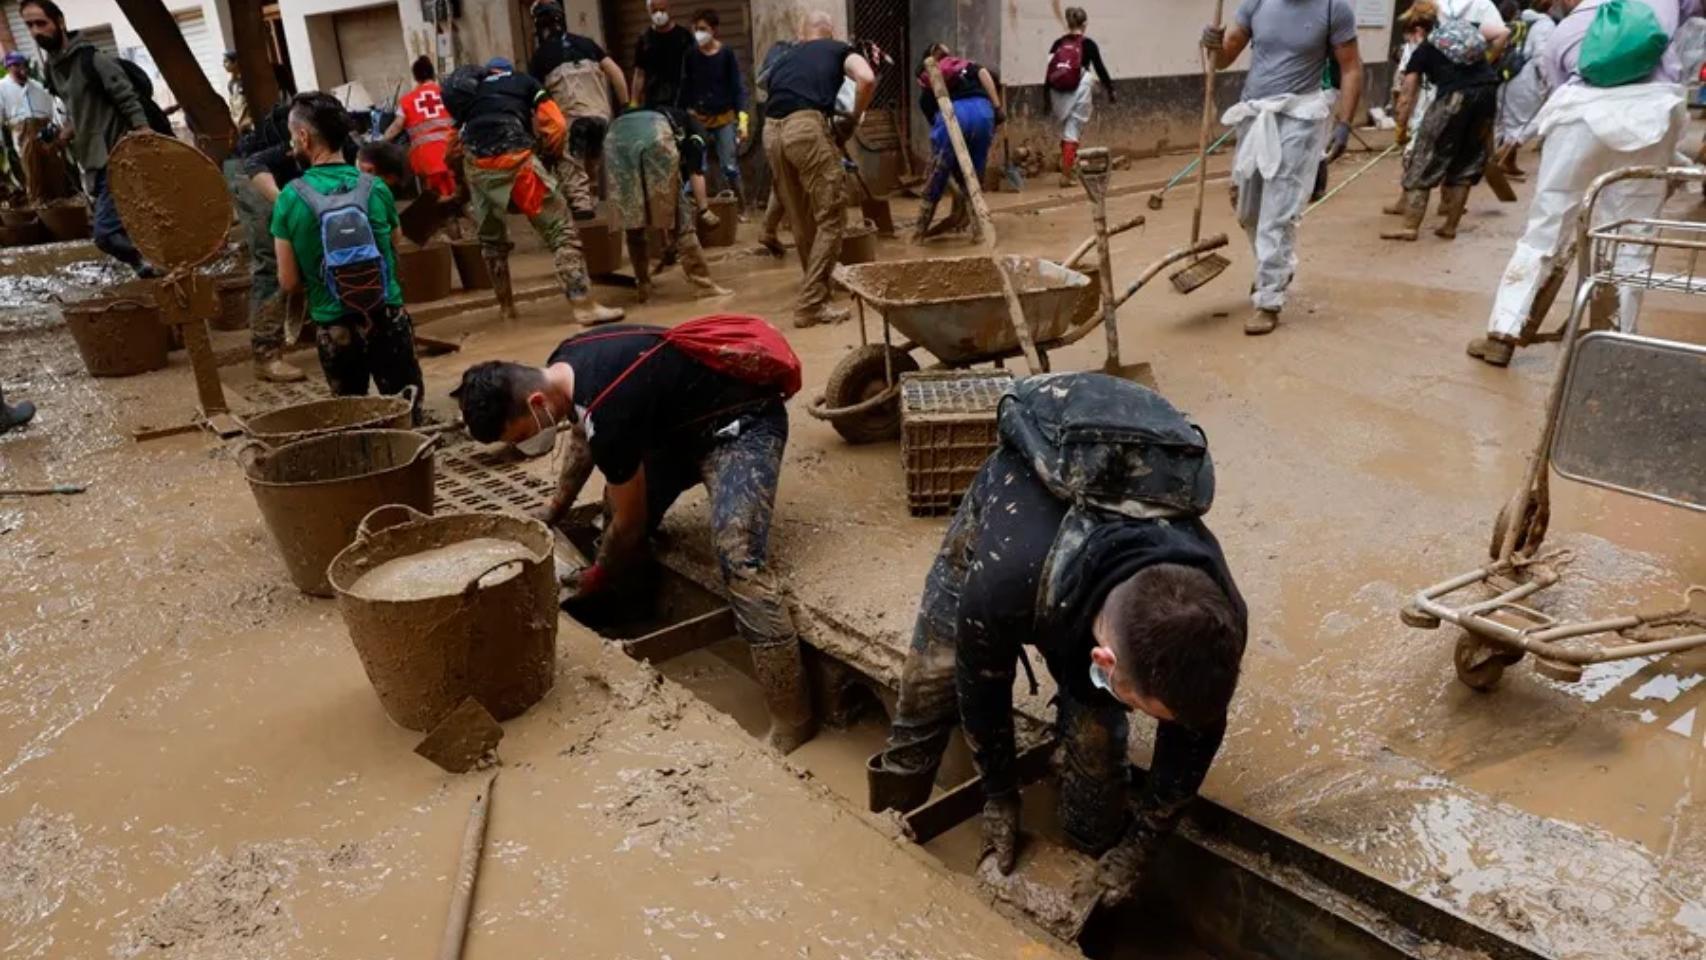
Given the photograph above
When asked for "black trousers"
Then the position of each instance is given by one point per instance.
(356, 352)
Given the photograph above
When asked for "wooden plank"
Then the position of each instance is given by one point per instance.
(684, 637)
(204, 109)
(964, 801)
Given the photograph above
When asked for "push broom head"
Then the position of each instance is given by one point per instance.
(1199, 271)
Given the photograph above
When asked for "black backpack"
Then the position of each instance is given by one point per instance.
(139, 81)
(459, 90)
(1096, 440)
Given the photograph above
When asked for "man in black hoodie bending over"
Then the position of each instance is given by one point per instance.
(1091, 551)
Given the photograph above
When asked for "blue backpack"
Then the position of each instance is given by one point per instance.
(351, 262)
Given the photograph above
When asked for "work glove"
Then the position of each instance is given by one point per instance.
(1001, 832)
(588, 581)
(709, 219)
(1403, 136)
(1339, 141)
(1213, 38)
(1114, 877)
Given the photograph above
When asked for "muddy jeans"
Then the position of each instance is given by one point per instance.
(1453, 143)
(355, 352)
(740, 472)
(110, 236)
(489, 194)
(579, 177)
(807, 167)
(266, 300)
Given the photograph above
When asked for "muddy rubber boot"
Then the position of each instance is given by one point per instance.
(498, 266)
(15, 415)
(271, 367)
(641, 258)
(897, 790)
(1452, 202)
(1397, 207)
(1261, 322)
(781, 673)
(827, 316)
(590, 313)
(1416, 210)
(1492, 349)
(920, 230)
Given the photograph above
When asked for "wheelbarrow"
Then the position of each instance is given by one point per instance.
(955, 309)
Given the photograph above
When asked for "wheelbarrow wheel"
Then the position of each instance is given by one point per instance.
(859, 376)
(1481, 665)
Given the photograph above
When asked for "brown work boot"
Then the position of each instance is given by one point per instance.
(827, 315)
(1452, 202)
(1416, 208)
(590, 313)
(1261, 322)
(271, 367)
(1397, 207)
(705, 288)
(921, 226)
(772, 246)
(1492, 349)
(781, 674)
(498, 266)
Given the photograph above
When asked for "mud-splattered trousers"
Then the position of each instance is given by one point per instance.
(961, 668)
(355, 352)
(740, 463)
(266, 300)
(489, 194)
(1452, 145)
(1269, 206)
(807, 167)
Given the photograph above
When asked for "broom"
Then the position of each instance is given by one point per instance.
(1209, 265)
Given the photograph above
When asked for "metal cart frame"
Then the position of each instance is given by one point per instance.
(1500, 628)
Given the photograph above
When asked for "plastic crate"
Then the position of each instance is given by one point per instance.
(947, 422)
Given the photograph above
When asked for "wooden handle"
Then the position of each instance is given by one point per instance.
(467, 874)
(1208, 72)
(974, 189)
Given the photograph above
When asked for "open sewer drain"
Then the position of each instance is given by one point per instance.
(1223, 887)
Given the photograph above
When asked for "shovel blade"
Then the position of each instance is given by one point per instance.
(1199, 272)
(1141, 374)
(1495, 177)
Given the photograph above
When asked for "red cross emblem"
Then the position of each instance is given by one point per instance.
(429, 105)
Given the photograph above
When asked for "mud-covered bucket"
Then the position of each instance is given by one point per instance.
(727, 208)
(601, 246)
(299, 421)
(118, 336)
(492, 634)
(26, 234)
(424, 273)
(66, 219)
(859, 243)
(471, 265)
(233, 291)
(314, 493)
(17, 216)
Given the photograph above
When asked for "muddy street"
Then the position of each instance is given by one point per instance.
(193, 763)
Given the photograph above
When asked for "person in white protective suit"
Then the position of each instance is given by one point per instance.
(1283, 128)
(1589, 131)
(1522, 96)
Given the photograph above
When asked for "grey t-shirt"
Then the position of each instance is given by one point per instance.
(1290, 41)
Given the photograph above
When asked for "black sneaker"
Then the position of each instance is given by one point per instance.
(16, 415)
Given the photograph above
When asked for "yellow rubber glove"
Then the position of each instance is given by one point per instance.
(743, 124)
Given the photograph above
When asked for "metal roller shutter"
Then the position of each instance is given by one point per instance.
(208, 51)
(15, 20)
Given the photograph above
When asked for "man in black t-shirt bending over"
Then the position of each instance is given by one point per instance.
(656, 422)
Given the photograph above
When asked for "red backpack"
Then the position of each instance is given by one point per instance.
(1066, 64)
(744, 347)
(953, 69)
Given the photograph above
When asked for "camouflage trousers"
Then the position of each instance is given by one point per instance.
(266, 300)
(740, 464)
(489, 196)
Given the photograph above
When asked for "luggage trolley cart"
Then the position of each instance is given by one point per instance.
(1625, 413)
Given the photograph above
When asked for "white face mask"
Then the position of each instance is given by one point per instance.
(660, 18)
(1100, 680)
(702, 37)
(542, 442)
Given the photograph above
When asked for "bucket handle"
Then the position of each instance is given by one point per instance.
(409, 393)
(425, 448)
(727, 195)
(374, 523)
(249, 453)
(473, 586)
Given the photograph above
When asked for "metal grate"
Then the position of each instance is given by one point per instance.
(947, 431)
(269, 396)
(886, 24)
(468, 478)
(1651, 255)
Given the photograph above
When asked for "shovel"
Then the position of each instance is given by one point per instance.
(1093, 168)
(1496, 179)
(1209, 265)
(1159, 197)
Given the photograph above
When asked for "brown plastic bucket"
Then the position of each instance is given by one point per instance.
(315, 418)
(859, 243)
(118, 336)
(26, 234)
(68, 220)
(496, 643)
(601, 246)
(17, 216)
(314, 493)
(424, 273)
(233, 311)
(727, 208)
(471, 265)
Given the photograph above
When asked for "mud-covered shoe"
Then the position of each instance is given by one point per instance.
(273, 368)
(1493, 350)
(1261, 322)
(15, 415)
(590, 313)
(708, 289)
(772, 246)
(826, 316)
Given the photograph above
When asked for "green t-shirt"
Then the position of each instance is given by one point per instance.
(292, 220)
